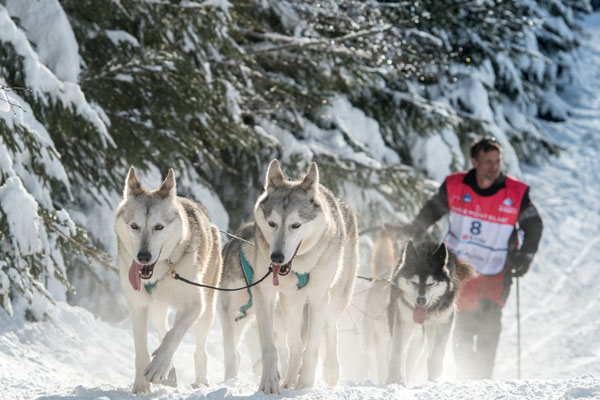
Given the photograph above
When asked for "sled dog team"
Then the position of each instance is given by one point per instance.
(308, 238)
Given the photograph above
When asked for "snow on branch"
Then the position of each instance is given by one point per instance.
(87, 250)
(42, 81)
(293, 42)
(222, 4)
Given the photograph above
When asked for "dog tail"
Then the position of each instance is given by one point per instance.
(383, 255)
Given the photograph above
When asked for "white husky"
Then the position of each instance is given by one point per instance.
(310, 240)
(157, 230)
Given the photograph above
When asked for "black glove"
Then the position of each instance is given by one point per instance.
(520, 262)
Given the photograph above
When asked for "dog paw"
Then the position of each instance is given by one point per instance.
(289, 383)
(305, 383)
(331, 376)
(158, 368)
(171, 379)
(140, 386)
(201, 382)
(269, 385)
(396, 380)
(200, 385)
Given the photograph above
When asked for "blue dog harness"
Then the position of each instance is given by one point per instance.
(249, 276)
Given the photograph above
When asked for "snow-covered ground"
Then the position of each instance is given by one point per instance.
(74, 355)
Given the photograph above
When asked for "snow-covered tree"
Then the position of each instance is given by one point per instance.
(42, 107)
(382, 94)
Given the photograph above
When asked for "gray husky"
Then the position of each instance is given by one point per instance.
(310, 240)
(159, 234)
(425, 287)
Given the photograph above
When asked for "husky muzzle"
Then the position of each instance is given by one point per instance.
(277, 259)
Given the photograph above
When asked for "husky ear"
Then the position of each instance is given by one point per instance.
(410, 252)
(133, 187)
(312, 177)
(274, 175)
(441, 254)
(168, 186)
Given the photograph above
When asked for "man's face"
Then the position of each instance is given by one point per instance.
(487, 164)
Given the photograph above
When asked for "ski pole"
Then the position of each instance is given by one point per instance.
(518, 332)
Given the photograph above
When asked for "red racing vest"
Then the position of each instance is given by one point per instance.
(480, 229)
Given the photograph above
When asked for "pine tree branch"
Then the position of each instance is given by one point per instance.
(187, 5)
(84, 248)
(6, 89)
(296, 43)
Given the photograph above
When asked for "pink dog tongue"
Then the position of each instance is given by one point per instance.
(276, 269)
(419, 315)
(134, 275)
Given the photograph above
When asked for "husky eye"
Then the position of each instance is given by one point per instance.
(159, 227)
(272, 224)
(134, 226)
(431, 284)
(296, 225)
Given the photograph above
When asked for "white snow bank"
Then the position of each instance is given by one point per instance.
(72, 354)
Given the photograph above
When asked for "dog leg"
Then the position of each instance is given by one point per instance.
(400, 341)
(202, 328)
(331, 364)
(381, 355)
(252, 341)
(376, 342)
(265, 303)
(139, 321)
(158, 316)
(437, 341)
(292, 318)
(163, 356)
(317, 312)
(414, 355)
(232, 333)
(279, 333)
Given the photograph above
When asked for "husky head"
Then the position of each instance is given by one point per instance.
(289, 214)
(423, 277)
(149, 224)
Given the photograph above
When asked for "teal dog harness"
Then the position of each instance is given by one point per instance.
(249, 276)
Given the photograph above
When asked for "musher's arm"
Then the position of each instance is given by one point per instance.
(531, 224)
(434, 209)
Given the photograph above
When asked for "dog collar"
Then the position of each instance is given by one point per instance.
(249, 276)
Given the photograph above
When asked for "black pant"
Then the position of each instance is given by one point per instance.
(476, 335)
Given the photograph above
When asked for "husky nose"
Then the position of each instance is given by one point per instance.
(277, 257)
(144, 257)
(421, 301)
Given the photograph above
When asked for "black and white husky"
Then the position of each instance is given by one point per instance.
(425, 287)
